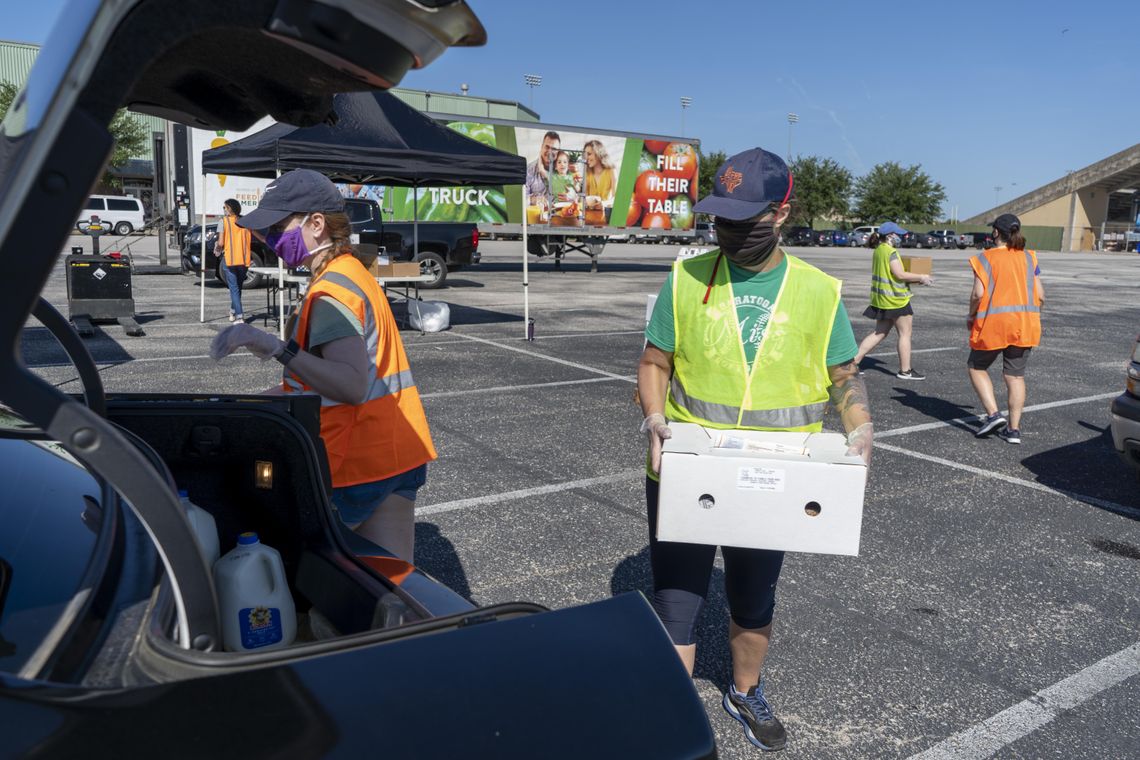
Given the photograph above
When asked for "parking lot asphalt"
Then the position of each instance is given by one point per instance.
(994, 609)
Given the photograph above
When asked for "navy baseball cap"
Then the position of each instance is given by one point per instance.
(1006, 223)
(746, 185)
(891, 228)
(301, 191)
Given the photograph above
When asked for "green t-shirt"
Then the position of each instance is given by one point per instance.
(755, 294)
(329, 320)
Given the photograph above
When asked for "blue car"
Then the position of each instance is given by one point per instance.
(838, 237)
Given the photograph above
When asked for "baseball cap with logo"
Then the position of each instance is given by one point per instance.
(301, 191)
(746, 185)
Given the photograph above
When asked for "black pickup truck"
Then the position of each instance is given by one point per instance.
(444, 246)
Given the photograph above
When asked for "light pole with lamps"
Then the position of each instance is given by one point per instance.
(685, 103)
(997, 189)
(792, 119)
(532, 81)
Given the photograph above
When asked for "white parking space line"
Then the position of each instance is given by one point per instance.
(1111, 506)
(556, 360)
(539, 338)
(917, 351)
(503, 388)
(106, 363)
(496, 498)
(992, 735)
(961, 421)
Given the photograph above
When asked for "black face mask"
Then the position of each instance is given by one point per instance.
(748, 243)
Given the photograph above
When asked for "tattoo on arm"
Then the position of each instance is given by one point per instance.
(848, 390)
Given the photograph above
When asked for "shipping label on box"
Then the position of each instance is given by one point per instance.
(795, 492)
(918, 264)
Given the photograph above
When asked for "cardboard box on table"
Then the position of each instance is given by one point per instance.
(809, 502)
(379, 265)
(918, 264)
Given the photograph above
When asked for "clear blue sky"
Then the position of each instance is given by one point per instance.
(981, 94)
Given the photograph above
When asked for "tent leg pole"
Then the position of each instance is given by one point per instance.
(526, 272)
(202, 262)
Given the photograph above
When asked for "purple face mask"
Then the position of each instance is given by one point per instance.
(289, 245)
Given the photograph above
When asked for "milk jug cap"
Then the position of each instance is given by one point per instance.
(247, 538)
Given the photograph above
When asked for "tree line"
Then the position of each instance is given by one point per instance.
(826, 190)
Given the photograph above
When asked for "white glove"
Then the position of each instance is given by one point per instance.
(859, 442)
(657, 428)
(241, 335)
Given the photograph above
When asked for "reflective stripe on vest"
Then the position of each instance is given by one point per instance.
(386, 433)
(721, 414)
(886, 291)
(785, 388)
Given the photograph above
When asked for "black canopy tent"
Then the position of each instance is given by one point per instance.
(376, 139)
(372, 138)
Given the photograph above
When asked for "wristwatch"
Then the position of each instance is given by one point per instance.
(286, 354)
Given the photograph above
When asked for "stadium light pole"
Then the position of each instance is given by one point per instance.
(792, 119)
(685, 103)
(997, 189)
(532, 81)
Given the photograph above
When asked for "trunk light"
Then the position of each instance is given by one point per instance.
(263, 474)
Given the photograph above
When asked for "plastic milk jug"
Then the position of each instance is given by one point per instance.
(253, 597)
(205, 529)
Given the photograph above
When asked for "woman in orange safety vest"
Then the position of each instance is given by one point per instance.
(344, 345)
(232, 246)
(1005, 320)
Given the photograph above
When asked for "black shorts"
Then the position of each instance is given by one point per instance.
(1013, 359)
(872, 312)
(681, 574)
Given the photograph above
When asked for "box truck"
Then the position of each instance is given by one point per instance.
(582, 186)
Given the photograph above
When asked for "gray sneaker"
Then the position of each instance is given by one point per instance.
(761, 727)
(993, 423)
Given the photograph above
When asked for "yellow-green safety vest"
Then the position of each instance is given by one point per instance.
(786, 386)
(886, 291)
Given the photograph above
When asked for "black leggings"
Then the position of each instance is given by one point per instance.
(681, 575)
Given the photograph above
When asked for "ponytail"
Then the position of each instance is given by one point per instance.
(1016, 241)
(874, 240)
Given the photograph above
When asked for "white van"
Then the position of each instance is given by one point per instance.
(121, 213)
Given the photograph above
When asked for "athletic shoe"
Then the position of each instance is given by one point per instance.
(761, 727)
(991, 424)
(1010, 435)
(910, 374)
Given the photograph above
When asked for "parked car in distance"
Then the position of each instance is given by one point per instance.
(866, 230)
(121, 213)
(823, 238)
(798, 236)
(919, 240)
(858, 238)
(979, 240)
(704, 233)
(839, 238)
(946, 238)
(1125, 412)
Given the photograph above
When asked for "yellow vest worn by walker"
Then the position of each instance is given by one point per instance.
(786, 386)
(886, 291)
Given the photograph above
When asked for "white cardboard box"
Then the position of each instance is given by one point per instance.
(761, 500)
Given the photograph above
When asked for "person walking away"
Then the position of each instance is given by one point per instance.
(744, 336)
(344, 345)
(232, 247)
(890, 299)
(1005, 320)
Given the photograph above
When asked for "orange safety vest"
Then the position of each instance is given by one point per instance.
(235, 242)
(387, 433)
(1010, 310)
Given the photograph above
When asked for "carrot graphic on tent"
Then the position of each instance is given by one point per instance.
(218, 142)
